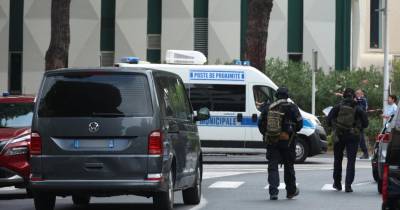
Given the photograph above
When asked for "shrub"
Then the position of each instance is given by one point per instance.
(297, 77)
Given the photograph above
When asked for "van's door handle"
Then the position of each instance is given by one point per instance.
(240, 117)
(254, 117)
(94, 165)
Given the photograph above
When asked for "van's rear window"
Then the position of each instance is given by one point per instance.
(95, 95)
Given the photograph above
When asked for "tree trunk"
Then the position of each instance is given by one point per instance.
(257, 32)
(57, 54)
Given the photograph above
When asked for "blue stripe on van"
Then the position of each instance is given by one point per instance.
(231, 121)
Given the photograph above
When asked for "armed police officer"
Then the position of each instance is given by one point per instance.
(348, 120)
(279, 123)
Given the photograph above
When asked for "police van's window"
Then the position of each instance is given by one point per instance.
(230, 98)
(263, 94)
(95, 95)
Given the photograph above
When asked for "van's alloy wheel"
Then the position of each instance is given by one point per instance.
(165, 200)
(44, 201)
(302, 150)
(192, 196)
(81, 200)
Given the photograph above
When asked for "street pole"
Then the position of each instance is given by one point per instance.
(386, 56)
(313, 88)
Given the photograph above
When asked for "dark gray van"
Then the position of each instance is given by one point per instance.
(114, 131)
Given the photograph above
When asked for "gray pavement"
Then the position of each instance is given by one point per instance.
(243, 186)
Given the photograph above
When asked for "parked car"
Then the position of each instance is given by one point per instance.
(15, 123)
(391, 169)
(379, 154)
(115, 131)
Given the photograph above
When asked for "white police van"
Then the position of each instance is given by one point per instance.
(233, 93)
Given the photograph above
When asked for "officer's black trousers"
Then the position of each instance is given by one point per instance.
(278, 153)
(350, 143)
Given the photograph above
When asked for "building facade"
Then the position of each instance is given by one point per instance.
(347, 34)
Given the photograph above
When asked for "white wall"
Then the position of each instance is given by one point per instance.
(130, 29)
(4, 33)
(319, 32)
(177, 26)
(223, 31)
(36, 40)
(84, 49)
(277, 31)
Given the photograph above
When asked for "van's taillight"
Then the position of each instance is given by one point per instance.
(385, 182)
(155, 144)
(35, 147)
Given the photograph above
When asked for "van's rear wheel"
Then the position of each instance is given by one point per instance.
(44, 201)
(81, 200)
(165, 200)
(192, 196)
(302, 150)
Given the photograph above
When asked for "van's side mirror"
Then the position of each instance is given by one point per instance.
(202, 114)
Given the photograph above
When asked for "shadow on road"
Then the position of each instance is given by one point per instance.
(13, 196)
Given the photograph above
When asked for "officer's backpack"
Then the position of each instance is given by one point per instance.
(275, 120)
(345, 120)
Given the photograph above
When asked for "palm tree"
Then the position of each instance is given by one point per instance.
(57, 54)
(257, 32)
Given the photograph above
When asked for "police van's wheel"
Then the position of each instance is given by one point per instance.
(302, 150)
(81, 200)
(44, 201)
(165, 200)
(192, 195)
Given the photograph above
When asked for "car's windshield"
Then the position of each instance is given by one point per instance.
(15, 115)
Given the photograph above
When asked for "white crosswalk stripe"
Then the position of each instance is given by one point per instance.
(329, 187)
(211, 175)
(226, 185)
(282, 186)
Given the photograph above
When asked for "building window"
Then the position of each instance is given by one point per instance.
(107, 32)
(15, 46)
(201, 26)
(201, 35)
(295, 30)
(376, 18)
(154, 31)
(296, 57)
(342, 35)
